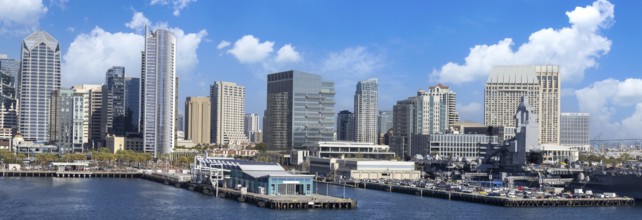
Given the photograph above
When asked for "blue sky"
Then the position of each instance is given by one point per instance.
(408, 45)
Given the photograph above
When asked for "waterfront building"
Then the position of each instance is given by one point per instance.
(349, 149)
(92, 125)
(553, 154)
(256, 177)
(67, 124)
(134, 142)
(505, 87)
(228, 111)
(300, 110)
(574, 130)
(365, 111)
(468, 146)
(251, 128)
(132, 104)
(114, 143)
(197, 119)
(39, 76)
(158, 96)
(363, 169)
(8, 106)
(345, 126)
(113, 118)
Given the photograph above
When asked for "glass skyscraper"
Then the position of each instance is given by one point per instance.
(8, 114)
(158, 95)
(132, 104)
(39, 76)
(300, 110)
(114, 120)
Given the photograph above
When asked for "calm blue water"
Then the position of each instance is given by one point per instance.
(53, 198)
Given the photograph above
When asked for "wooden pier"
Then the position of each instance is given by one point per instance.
(283, 202)
(502, 201)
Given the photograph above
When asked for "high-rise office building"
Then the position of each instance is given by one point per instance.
(158, 92)
(365, 111)
(384, 121)
(197, 119)
(252, 127)
(39, 76)
(8, 109)
(300, 110)
(180, 122)
(449, 99)
(67, 120)
(114, 119)
(132, 104)
(575, 129)
(504, 89)
(436, 110)
(228, 111)
(404, 125)
(345, 126)
(92, 125)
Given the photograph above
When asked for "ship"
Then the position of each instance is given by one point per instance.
(627, 184)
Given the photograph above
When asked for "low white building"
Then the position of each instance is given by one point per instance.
(552, 154)
(349, 149)
(363, 169)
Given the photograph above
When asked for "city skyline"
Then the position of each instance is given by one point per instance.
(405, 59)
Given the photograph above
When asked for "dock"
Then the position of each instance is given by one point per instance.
(285, 202)
(502, 201)
(68, 174)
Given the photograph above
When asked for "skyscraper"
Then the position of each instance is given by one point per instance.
(345, 126)
(132, 103)
(365, 111)
(504, 89)
(228, 111)
(435, 110)
(251, 127)
(197, 119)
(67, 120)
(384, 121)
(92, 126)
(8, 109)
(158, 96)
(39, 76)
(300, 110)
(180, 122)
(575, 129)
(448, 98)
(114, 119)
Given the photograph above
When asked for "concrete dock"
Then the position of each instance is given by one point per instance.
(69, 174)
(502, 201)
(265, 201)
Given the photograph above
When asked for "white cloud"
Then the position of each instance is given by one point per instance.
(20, 17)
(574, 48)
(177, 5)
(223, 44)
(249, 49)
(604, 99)
(357, 62)
(470, 112)
(91, 54)
(287, 53)
(138, 22)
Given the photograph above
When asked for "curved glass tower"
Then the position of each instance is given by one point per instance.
(158, 92)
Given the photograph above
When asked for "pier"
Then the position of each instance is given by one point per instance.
(68, 174)
(502, 201)
(264, 201)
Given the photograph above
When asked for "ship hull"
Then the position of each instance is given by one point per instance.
(623, 185)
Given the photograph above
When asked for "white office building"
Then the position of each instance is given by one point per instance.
(228, 113)
(365, 111)
(575, 129)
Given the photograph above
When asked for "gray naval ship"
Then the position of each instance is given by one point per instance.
(624, 182)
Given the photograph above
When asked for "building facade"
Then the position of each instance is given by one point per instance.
(114, 118)
(252, 128)
(158, 92)
(300, 109)
(403, 126)
(468, 146)
(67, 124)
(345, 126)
(132, 104)
(228, 112)
(92, 122)
(365, 111)
(349, 149)
(504, 89)
(384, 121)
(39, 76)
(197, 119)
(575, 130)
(8, 106)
